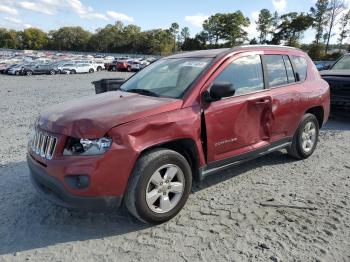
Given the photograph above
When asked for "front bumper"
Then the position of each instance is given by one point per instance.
(53, 189)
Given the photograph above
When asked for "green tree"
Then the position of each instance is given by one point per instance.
(291, 28)
(319, 13)
(184, 34)
(34, 39)
(344, 27)
(275, 21)
(157, 41)
(253, 41)
(203, 38)
(10, 39)
(174, 30)
(228, 27)
(335, 8)
(264, 24)
(213, 26)
(70, 39)
(191, 44)
(316, 51)
(105, 39)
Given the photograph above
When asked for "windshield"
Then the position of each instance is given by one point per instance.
(167, 77)
(343, 63)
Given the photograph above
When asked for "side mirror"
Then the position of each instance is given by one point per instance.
(219, 91)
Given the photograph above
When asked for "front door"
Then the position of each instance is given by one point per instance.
(241, 123)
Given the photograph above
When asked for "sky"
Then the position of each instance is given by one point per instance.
(148, 14)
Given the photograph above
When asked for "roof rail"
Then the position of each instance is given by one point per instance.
(266, 45)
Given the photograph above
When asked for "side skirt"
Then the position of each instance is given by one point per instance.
(220, 165)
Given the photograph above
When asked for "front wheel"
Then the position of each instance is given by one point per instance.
(52, 72)
(91, 71)
(305, 138)
(29, 73)
(73, 72)
(159, 186)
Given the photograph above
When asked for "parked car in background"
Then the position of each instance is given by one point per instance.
(111, 66)
(18, 69)
(97, 65)
(338, 77)
(78, 68)
(42, 69)
(3, 66)
(181, 118)
(136, 66)
(6, 69)
(124, 65)
(323, 65)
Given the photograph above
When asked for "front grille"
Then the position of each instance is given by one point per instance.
(43, 144)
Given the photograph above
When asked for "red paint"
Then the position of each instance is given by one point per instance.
(136, 123)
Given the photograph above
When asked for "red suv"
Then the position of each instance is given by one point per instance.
(181, 118)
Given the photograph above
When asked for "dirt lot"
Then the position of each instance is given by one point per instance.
(223, 219)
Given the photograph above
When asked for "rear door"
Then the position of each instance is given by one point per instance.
(239, 124)
(285, 94)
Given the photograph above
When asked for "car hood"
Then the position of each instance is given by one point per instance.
(93, 116)
(335, 73)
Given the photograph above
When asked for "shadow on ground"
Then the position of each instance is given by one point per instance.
(337, 123)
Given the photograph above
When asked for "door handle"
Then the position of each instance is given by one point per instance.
(262, 101)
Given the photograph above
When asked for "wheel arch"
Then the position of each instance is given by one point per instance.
(185, 147)
(318, 112)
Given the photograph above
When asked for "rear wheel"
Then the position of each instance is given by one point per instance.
(29, 73)
(305, 138)
(52, 72)
(159, 186)
(91, 71)
(99, 68)
(73, 72)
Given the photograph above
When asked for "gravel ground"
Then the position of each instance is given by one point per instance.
(222, 220)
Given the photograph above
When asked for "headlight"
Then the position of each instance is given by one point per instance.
(87, 147)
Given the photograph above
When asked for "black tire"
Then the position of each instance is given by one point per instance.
(146, 165)
(29, 73)
(91, 71)
(17, 73)
(296, 149)
(99, 68)
(73, 72)
(52, 72)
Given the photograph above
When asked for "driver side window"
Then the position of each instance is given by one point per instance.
(245, 73)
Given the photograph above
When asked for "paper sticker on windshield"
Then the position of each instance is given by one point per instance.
(195, 64)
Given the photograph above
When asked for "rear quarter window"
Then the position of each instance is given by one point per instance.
(300, 64)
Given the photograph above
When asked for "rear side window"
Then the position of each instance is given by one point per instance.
(276, 70)
(300, 67)
(245, 73)
(289, 69)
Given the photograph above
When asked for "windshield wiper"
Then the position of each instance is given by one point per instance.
(142, 92)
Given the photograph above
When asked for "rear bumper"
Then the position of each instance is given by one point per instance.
(52, 189)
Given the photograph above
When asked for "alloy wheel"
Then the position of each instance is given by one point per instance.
(165, 188)
(308, 137)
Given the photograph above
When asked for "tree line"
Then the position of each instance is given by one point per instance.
(219, 30)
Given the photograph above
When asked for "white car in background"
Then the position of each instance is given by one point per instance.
(97, 65)
(78, 68)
